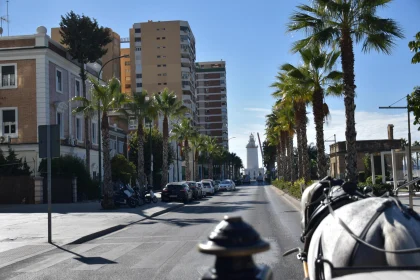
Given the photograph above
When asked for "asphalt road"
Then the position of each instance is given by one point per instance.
(165, 247)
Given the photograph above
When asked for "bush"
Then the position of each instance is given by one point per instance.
(68, 167)
(294, 189)
(123, 170)
(378, 189)
(378, 180)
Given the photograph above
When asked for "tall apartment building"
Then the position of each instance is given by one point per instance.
(162, 55)
(211, 100)
(125, 65)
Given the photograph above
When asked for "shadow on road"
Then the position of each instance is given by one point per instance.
(86, 260)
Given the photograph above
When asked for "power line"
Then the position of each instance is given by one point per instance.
(397, 101)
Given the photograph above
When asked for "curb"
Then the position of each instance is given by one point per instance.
(294, 202)
(112, 229)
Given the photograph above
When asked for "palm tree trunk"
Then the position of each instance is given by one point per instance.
(140, 154)
(287, 156)
(317, 103)
(165, 152)
(211, 168)
(187, 161)
(299, 140)
(291, 159)
(304, 143)
(284, 157)
(196, 165)
(347, 62)
(108, 202)
(87, 138)
(279, 160)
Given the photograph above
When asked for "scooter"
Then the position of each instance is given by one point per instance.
(123, 195)
(150, 196)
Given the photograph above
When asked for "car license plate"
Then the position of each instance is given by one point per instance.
(173, 196)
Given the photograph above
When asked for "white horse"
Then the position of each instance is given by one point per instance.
(381, 222)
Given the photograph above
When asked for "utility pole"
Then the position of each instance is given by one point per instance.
(409, 163)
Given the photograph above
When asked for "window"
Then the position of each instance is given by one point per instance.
(157, 38)
(137, 39)
(159, 74)
(128, 78)
(158, 47)
(159, 65)
(164, 65)
(137, 30)
(120, 147)
(132, 123)
(60, 123)
(138, 49)
(8, 76)
(163, 38)
(127, 63)
(139, 84)
(77, 88)
(127, 71)
(163, 28)
(158, 56)
(94, 133)
(79, 129)
(164, 74)
(157, 29)
(159, 84)
(59, 81)
(138, 76)
(164, 47)
(164, 56)
(127, 86)
(165, 84)
(112, 144)
(9, 122)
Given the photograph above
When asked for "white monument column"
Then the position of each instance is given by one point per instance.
(252, 167)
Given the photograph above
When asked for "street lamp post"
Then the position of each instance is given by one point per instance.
(99, 121)
(409, 163)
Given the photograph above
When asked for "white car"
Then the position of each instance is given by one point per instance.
(207, 187)
(226, 185)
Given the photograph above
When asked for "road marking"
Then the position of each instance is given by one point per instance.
(106, 258)
(57, 258)
(155, 259)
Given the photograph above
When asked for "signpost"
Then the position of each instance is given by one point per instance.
(49, 147)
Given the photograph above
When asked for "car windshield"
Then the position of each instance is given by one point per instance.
(192, 185)
(206, 184)
(225, 182)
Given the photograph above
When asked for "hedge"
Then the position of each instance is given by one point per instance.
(294, 189)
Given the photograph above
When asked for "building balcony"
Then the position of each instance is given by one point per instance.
(185, 62)
(186, 69)
(186, 87)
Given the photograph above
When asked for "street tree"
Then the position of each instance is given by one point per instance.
(84, 40)
(342, 23)
(415, 48)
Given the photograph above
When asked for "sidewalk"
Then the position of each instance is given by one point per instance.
(22, 225)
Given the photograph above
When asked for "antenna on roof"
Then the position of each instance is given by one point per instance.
(7, 17)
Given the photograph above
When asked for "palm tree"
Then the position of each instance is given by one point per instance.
(169, 107)
(110, 98)
(288, 128)
(198, 142)
(318, 75)
(332, 22)
(290, 91)
(140, 106)
(211, 148)
(415, 47)
(183, 132)
(274, 134)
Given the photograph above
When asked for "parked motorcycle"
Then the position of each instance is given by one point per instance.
(150, 196)
(123, 195)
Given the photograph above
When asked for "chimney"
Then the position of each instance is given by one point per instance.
(390, 132)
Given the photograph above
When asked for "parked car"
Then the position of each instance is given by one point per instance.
(226, 185)
(208, 187)
(197, 192)
(238, 182)
(215, 186)
(177, 191)
(233, 184)
(200, 186)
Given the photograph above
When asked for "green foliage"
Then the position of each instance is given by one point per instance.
(378, 189)
(378, 179)
(13, 166)
(414, 105)
(368, 165)
(123, 169)
(68, 167)
(415, 47)
(269, 152)
(84, 38)
(293, 189)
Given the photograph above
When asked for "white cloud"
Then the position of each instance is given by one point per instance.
(264, 110)
(369, 126)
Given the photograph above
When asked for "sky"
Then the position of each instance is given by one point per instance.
(251, 37)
